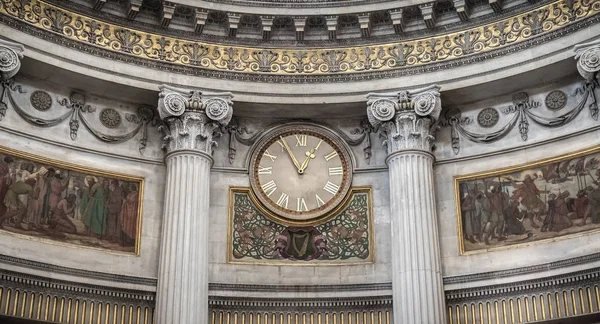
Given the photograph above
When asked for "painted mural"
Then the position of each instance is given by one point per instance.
(540, 201)
(345, 238)
(48, 200)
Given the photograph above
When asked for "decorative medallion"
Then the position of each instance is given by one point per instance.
(184, 11)
(110, 118)
(348, 21)
(380, 18)
(283, 22)
(217, 17)
(488, 117)
(250, 21)
(40, 100)
(556, 100)
(316, 22)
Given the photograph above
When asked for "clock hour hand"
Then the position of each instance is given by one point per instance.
(309, 155)
(287, 148)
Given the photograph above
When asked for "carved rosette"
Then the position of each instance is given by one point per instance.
(406, 118)
(10, 58)
(588, 59)
(191, 119)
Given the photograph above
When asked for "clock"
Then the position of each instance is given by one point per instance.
(300, 173)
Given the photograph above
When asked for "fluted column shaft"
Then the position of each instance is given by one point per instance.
(407, 120)
(183, 277)
(416, 278)
(190, 121)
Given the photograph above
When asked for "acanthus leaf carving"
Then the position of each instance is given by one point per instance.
(192, 119)
(588, 65)
(10, 63)
(407, 119)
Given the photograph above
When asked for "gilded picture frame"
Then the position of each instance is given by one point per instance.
(130, 220)
(253, 200)
(577, 172)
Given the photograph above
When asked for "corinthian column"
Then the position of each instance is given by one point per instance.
(407, 119)
(588, 65)
(191, 119)
(10, 63)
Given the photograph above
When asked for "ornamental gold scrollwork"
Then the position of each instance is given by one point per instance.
(291, 61)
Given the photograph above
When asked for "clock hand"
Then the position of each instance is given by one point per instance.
(309, 155)
(287, 148)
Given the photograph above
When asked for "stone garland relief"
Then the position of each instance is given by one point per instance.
(523, 111)
(53, 201)
(544, 200)
(78, 108)
(345, 238)
(240, 134)
(282, 61)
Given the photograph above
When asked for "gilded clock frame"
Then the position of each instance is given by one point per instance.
(314, 216)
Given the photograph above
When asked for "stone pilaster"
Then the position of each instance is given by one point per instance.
(407, 119)
(10, 63)
(191, 120)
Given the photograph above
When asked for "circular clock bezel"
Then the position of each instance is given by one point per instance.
(315, 215)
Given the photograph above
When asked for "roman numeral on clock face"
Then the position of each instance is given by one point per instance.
(300, 140)
(320, 201)
(330, 187)
(269, 188)
(331, 155)
(301, 205)
(270, 156)
(283, 200)
(334, 171)
(266, 170)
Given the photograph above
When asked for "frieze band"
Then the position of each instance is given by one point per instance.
(281, 61)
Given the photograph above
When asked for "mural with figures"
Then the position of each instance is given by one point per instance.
(50, 201)
(345, 238)
(539, 201)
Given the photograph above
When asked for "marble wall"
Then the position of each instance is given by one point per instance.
(87, 150)
(512, 150)
(55, 142)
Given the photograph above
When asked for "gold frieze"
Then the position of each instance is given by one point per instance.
(293, 61)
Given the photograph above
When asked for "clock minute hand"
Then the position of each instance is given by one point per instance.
(287, 148)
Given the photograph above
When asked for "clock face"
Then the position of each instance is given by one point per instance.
(300, 173)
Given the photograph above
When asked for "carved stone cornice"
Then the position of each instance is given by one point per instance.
(407, 119)
(10, 58)
(191, 119)
(588, 59)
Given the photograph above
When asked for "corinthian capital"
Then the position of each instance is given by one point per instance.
(406, 118)
(192, 118)
(10, 59)
(588, 59)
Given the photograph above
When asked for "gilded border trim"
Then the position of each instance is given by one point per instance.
(78, 168)
(262, 209)
(515, 168)
(302, 62)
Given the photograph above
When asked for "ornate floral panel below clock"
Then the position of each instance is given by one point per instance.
(344, 238)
